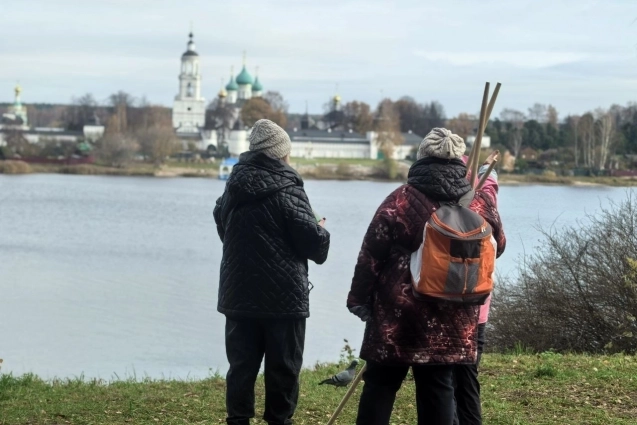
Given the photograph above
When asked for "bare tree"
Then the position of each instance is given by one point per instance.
(552, 116)
(116, 149)
(587, 133)
(573, 121)
(158, 143)
(276, 101)
(516, 120)
(121, 103)
(219, 117)
(606, 134)
(81, 112)
(538, 112)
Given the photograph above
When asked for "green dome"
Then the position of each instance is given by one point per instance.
(244, 77)
(232, 85)
(257, 85)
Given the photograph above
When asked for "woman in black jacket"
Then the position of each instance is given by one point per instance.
(269, 232)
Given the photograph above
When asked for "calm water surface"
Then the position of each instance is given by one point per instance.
(117, 277)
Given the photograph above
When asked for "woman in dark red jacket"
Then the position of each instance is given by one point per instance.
(402, 331)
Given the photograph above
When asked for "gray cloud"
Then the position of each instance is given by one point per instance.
(576, 55)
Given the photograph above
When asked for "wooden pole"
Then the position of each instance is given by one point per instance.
(478, 142)
(349, 393)
(485, 176)
(494, 96)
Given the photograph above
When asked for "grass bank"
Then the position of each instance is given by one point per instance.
(517, 389)
(516, 179)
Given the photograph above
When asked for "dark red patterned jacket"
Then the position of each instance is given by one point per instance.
(403, 330)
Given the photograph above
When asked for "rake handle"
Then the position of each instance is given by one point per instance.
(485, 176)
(348, 395)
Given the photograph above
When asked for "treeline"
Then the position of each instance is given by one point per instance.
(593, 140)
(132, 128)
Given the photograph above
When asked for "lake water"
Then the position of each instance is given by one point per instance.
(117, 277)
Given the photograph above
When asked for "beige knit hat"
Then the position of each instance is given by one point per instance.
(441, 143)
(269, 138)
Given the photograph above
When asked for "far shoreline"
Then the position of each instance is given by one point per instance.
(351, 170)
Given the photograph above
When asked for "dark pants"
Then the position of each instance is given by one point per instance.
(247, 342)
(434, 394)
(467, 388)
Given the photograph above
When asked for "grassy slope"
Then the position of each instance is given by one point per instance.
(525, 389)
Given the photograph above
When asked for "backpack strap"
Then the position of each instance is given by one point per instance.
(464, 201)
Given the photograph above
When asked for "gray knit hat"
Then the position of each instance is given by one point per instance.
(269, 138)
(441, 143)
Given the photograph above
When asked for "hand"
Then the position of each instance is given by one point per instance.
(322, 222)
(494, 157)
(362, 311)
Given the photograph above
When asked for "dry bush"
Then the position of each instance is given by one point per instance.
(116, 149)
(14, 167)
(578, 291)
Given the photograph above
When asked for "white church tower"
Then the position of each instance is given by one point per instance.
(189, 109)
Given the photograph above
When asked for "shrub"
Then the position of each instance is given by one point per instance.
(578, 291)
(14, 167)
(343, 169)
(391, 167)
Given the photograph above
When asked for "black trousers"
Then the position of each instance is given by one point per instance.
(247, 342)
(467, 388)
(434, 394)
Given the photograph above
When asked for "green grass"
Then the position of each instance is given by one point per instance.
(517, 389)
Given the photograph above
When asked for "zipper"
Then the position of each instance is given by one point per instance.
(477, 231)
(466, 275)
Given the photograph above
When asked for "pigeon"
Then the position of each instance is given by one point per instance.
(342, 379)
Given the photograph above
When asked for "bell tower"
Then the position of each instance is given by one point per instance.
(189, 109)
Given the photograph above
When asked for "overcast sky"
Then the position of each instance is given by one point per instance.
(577, 55)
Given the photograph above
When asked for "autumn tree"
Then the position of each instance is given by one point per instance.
(586, 131)
(552, 116)
(258, 108)
(358, 116)
(387, 127)
(463, 125)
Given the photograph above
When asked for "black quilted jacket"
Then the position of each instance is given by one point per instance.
(269, 231)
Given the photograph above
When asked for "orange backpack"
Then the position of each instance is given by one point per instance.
(456, 259)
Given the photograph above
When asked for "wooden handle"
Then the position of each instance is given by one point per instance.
(485, 176)
(478, 142)
(349, 393)
(494, 96)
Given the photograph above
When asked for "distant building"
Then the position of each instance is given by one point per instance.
(189, 107)
(484, 144)
(16, 117)
(346, 144)
(16, 120)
